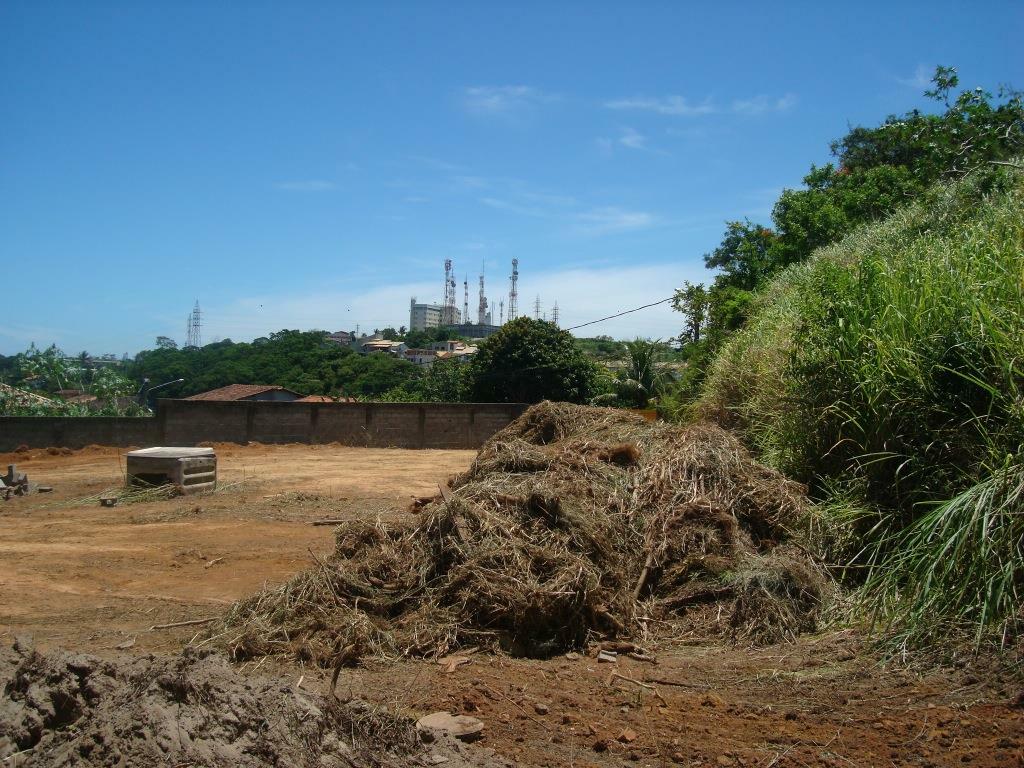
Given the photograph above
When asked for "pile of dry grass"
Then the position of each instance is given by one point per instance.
(572, 523)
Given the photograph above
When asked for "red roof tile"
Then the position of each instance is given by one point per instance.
(237, 392)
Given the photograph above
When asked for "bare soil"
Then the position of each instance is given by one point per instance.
(94, 580)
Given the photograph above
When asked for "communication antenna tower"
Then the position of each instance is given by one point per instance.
(513, 292)
(501, 312)
(554, 314)
(448, 314)
(536, 308)
(481, 307)
(465, 299)
(193, 331)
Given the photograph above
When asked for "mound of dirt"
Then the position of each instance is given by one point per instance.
(194, 709)
(572, 524)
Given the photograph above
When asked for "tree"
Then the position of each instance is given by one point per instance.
(642, 379)
(744, 256)
(166, 342)
(47, 368)
(531, 360)
(692, 301)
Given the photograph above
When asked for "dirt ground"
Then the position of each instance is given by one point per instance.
(83, 577)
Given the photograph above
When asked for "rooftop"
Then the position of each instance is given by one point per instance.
(238, 392)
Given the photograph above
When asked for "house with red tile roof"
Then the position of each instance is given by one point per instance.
(249, 392)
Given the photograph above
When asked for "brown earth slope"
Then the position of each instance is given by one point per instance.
(95, 580)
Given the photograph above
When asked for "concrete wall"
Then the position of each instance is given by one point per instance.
(59, 431)
(187, 422)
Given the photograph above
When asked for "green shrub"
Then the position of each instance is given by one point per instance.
(892, 364)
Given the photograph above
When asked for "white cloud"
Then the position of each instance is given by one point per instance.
(307, 185)
(921, 79)
(583, 294)
(633, 139)
(609, 220)
(668, 105)
(503, 99)
(681, 106)
(760, 104)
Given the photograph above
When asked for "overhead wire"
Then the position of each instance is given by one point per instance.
(619, 314)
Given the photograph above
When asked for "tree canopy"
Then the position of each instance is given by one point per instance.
(532, 360)
(304, 361)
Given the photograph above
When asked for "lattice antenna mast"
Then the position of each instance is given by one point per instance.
(194, 331)
(448, 314)
(465, 299)
(501, 311)
(536, 308)
(554, 314)
(481, 307)
(513, 291)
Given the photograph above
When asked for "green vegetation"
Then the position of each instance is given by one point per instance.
(878, 171)
(41, 377)
(870, 345)
(423, 339)
(603, 348)
(444, 381)
(532, 360)
(303, 361)
(887, 371)
(639, 379)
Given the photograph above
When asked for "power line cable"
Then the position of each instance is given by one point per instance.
(620, 314)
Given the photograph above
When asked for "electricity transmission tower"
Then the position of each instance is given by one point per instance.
(193, 330)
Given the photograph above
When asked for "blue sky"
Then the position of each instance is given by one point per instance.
(311, 165)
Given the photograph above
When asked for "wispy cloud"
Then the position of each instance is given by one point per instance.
(307, 185)
(921, 79)
(503, 99)
(628, 138)
(610, 220)
(680, 106)
(667, 105)
(758, 105)
(633, 139)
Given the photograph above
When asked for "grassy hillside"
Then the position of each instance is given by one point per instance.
(887, 371)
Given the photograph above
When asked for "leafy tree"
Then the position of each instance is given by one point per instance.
(445, 381)
(531, 360)
(744, 256)
(46, 368)
(108, 384)
(166, 342)
(423, 339)
(692, 301)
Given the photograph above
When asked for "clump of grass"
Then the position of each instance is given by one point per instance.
(887, 372)
(959, 564)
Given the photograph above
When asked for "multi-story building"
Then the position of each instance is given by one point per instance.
(424, 316)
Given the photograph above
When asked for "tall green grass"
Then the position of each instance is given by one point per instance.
(889, 370)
